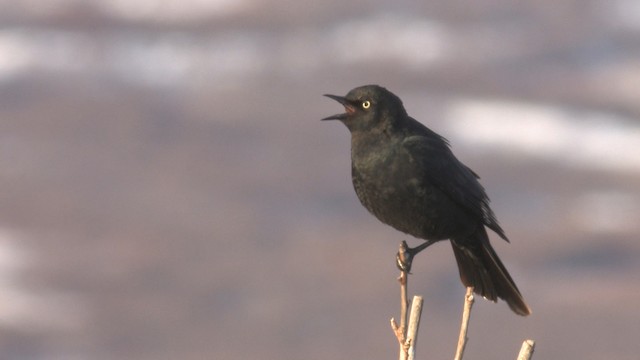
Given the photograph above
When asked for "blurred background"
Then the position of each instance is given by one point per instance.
(168, 191)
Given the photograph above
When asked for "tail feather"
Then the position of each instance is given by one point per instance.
(480, 267)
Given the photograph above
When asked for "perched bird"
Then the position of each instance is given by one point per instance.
(406, 175)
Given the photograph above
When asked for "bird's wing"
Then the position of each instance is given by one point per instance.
(451, 176)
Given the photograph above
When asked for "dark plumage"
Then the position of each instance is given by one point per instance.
(406, 175)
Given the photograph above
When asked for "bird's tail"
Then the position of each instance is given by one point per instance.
(481, 268)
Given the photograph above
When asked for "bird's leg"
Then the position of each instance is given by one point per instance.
(405, 255)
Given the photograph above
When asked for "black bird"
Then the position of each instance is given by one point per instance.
(406, 175)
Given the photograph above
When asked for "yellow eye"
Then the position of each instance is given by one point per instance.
(366, 104)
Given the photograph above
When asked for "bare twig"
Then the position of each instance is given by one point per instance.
(526, 351)
(404, 279)
(401, 331)
(466, 314)
(414, 324)
(407, 335)
(396, 330)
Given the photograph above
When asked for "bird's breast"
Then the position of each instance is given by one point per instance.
(391, 187)
(394, 188)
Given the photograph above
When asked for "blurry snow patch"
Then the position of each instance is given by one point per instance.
(172, 10)
(163, 10)
(415, 42)
(590, 140)
(12, 258)
(58, 51)
(608, 212)
(625, 13)
(223, 59)
(163, 60)
(157, 61)
(14, 55)
(31, 309)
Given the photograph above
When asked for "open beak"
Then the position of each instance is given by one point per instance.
(347, 106)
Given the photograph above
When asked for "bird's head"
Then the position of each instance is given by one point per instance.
(368, 107)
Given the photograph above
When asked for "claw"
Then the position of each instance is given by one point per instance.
(404, 257)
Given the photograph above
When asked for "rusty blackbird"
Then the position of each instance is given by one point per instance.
(406, 175)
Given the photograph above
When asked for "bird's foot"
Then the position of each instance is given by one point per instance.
(404, 257)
